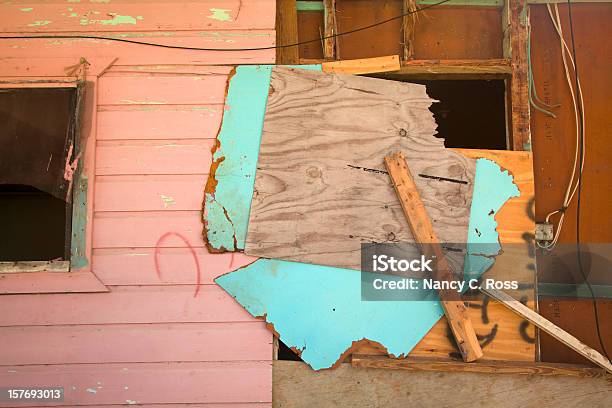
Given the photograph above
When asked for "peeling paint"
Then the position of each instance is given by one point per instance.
(91, 390)
(131, 402)
(220, 14)
(116, 19)
(26, 9)
(39, 23)
(168, 201)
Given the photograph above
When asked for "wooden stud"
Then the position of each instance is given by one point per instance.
(331, 28)
(423, 232)
(408, 27)
(549, 327)
(515, 17)
(489, 367)
(286, 32)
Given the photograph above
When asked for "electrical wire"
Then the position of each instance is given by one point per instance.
(272, 47)
(579, 183)
(580, 120)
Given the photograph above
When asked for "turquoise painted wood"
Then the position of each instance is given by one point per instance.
(226, 211)
(319, 309)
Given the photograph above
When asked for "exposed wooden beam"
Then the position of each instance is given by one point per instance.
(286, 32)
(514, 24)
(453, 69)
(489, 367)
(330, 50)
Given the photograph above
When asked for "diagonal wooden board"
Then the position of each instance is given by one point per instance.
(504, 335)
(321, 189)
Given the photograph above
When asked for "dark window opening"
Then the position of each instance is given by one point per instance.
(37, 145)
(285, 353)
(34, 224)
(470, 113)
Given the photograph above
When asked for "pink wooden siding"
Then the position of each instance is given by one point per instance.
(149, 340)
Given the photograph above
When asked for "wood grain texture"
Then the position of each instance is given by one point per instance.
(321, 188)
(489, 367)
(519, 87)
(423, 233)
(286, 32)
(295, 385)
(505, 336)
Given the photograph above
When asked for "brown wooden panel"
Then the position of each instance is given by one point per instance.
(459, 33)
(554, 144)
(309, 23)
(449, 32)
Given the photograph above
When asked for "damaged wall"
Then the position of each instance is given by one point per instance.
(156, 337)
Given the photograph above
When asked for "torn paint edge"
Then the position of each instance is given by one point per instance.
(231, 180)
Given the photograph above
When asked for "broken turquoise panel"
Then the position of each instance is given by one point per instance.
(318, 309)
(226, 211)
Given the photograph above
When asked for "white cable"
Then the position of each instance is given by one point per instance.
(570, 192)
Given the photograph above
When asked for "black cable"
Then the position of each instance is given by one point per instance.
(581, 161)
(272, 47)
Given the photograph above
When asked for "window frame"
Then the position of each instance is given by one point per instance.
(55, 277)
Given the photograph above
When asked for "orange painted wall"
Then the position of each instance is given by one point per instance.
(155, 337)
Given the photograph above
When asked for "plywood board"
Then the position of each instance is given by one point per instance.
(295, 385)
(504, 336)
(321, 189)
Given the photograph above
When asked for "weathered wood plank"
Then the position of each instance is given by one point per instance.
(134, 15)
(295, 385)
(286, 32)
(489, 367)
(135, 343)
(149, 192)
(124, 304)
(363, 66)
(162, 89)
(517, 14)
(136, 54)
(137, 266)
(321, 188)
(148, 383)
(146, 157)
(423, 233)
(130, 122)
(148, 229)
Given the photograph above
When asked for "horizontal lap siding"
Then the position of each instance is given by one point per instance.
(156, 338)
(148, 383)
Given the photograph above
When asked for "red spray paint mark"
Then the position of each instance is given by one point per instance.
(191, 249)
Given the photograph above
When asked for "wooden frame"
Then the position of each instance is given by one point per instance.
(63, 72)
